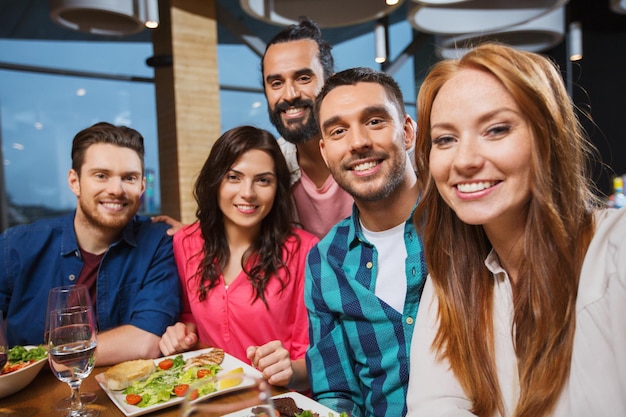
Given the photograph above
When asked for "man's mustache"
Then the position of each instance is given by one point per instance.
(285, 105)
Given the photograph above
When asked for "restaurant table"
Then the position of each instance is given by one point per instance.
(37, 398)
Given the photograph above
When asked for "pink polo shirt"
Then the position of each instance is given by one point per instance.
(319, 209)
(228, 318)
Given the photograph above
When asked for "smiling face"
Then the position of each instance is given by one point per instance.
(109, 186)
(481, 152)
(246, 194)
(292, 78)
(364, 140)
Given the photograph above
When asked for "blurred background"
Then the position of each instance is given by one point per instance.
(66, 64)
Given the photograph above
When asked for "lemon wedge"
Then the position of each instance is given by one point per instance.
(231, 378)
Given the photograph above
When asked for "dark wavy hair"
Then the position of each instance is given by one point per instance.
(276, 227)
(352, 76)
(305, 29)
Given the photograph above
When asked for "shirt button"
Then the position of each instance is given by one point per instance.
(72, 277)
(409, 320)
(369, 265)
(413, 271)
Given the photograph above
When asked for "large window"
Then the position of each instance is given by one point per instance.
(42, 111)
(50, 90)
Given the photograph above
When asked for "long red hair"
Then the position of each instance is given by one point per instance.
(558, 230)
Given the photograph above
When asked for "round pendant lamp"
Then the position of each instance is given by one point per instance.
(536, 35)
(105, 17)
(326, 13)
(478, 15)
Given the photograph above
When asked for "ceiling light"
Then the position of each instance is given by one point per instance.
(380, 39)
(536, 35)
(575, 41)
(105, 17)
(326, 13)
(478, 16)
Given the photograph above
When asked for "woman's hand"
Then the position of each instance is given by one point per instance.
(274, 362)
(180, 337)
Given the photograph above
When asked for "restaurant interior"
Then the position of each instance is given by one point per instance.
(184, 71)
(66, 64)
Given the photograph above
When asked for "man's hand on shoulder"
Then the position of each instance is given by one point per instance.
(175, 224)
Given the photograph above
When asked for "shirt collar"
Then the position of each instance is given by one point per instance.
(69, 244)
(492, 262)
(355, 232)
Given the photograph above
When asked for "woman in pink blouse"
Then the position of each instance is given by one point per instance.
(241, 264)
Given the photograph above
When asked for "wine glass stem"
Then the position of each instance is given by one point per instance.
(76, 404)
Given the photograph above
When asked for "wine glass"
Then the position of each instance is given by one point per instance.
(85, 397)
(72, 341)
(248, 395)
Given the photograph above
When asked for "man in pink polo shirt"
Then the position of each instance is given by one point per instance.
(295, 65)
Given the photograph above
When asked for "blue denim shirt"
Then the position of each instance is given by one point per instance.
(137, 280)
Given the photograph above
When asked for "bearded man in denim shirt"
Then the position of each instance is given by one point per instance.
(125, 260)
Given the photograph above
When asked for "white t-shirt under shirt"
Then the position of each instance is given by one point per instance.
(391, 274)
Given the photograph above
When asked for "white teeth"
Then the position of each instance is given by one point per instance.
(475, 186)
(293, 110)
(242, 207)
(364, 166)
(115, 206)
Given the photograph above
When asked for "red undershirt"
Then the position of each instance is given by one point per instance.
(89, 273)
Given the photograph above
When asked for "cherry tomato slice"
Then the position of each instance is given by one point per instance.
(166, 364)
(202, 373)
(181, 390)
(193, 395)
(133, 399)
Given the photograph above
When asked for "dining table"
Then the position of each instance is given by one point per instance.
(37, 398)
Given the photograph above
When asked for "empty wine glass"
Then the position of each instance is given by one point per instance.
(72, 341)
(247, 396)
(4, 345)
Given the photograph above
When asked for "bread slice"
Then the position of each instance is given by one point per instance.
(123, 374)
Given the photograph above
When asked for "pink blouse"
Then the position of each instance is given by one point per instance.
(228, 318)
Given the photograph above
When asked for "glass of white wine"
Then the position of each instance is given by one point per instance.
(229, 395)
(85, 397)
(72, 341)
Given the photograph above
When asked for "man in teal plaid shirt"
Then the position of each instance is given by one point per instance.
(365, 278)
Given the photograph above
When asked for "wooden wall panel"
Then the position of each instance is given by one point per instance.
(187, 99)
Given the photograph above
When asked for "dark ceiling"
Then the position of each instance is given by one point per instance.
(29, 19)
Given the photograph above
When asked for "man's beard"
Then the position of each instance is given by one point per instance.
(100, 221)
(298, 131)
(374, 190)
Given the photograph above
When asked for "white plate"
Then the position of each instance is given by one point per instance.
(17, 380)
(229, 363)
(302, 401)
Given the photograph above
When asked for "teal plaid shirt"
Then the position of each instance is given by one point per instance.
(358, 359)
